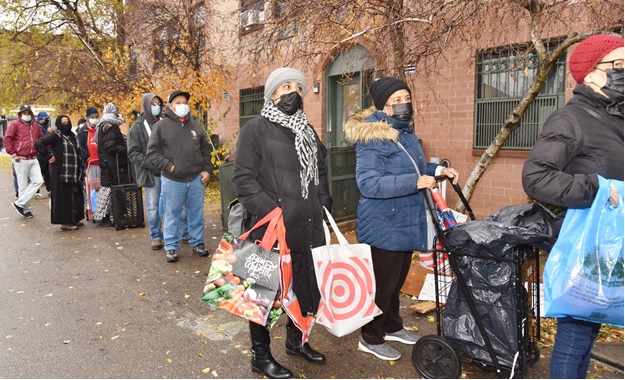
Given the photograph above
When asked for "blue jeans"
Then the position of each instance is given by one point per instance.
(184, 225)
(571, 351)
(175, 196)
(152, 196)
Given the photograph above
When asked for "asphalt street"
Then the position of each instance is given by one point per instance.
(99, 303)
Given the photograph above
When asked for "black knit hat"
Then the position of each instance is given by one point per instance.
(383, 88)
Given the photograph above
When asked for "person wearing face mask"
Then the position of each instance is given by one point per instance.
(43, 120)
(113, 159)
(86, 137)
(67, 171)
(179, 148)
(19, 142)
(147, 175)
(578, 142)
(280, 161)
(391, 214)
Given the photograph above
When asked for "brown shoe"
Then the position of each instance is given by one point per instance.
(68, 227)
(157, 244)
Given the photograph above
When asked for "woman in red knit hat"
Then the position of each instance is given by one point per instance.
(578, 142)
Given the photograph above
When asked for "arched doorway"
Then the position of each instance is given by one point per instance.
(347, 81)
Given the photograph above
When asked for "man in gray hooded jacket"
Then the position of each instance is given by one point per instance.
(147, 175)
(179, 148)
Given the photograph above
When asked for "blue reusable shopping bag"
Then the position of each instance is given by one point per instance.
(583, 275)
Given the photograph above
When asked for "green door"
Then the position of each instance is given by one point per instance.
(347, 83)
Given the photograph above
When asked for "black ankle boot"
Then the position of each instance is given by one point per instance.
(294, 346)
(262, 361)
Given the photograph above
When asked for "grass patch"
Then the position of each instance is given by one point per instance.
(6, 164)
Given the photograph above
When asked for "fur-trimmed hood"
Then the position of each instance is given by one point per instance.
(357, 130)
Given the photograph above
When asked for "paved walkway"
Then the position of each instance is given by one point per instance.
(99, 303)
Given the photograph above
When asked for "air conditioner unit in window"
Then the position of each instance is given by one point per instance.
(251, 17)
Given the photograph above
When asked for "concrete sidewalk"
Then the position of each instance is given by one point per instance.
(99, 303)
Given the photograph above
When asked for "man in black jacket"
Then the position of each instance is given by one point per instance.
(178, 146)
(579, 142)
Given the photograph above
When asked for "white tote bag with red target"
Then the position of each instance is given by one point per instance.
(345, 277)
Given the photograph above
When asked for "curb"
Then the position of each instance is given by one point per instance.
(610, 353)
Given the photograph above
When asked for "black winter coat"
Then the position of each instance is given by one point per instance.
(113, 155)
(67, 199)
(266, 175)
(579, 141)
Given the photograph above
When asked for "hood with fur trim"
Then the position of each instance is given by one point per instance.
(358, 130)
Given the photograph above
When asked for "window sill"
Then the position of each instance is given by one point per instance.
(504, 153)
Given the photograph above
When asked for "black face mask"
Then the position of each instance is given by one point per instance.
(44, 122)
(614, 86)
(402, 111)
(65, 128)
(290, 103)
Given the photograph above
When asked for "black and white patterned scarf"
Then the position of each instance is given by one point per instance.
(305, 142)
(70, 171)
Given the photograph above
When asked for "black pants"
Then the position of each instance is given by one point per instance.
(390, 269)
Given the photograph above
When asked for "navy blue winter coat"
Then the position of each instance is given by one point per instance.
(391, 211)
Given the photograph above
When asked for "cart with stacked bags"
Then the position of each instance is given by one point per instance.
(486, 281)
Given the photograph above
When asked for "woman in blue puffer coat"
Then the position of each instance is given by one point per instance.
(391, 214)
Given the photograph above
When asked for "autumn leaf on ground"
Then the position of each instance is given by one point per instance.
(214, 373)
(431, 318)
(115, 337)
(142, 294)
(169, 360)
(206, 370)
(48, 295)
(186, 296)
(120, 248)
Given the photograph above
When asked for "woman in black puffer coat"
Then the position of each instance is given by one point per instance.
(113, 156)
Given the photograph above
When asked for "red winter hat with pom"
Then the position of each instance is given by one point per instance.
(589, 52)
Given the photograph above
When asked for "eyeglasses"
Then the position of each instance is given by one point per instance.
(617, 64)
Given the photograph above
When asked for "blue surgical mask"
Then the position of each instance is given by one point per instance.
(26, 118)
(156, 110)
(181, 110)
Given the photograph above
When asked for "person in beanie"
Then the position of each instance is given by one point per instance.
(391, 214)
(147, 175)
(86, 137)
(113, 158)
(179, 148)
(19, 142)
(67, 171)
(578, 142)
(43, 120)
(280, 161)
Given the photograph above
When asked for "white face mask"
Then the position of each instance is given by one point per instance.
(93, 121)
(181, 110)
(26, 118)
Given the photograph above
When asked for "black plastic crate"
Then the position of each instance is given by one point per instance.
(127, 206)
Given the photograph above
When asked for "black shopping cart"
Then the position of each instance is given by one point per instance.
(487, 308)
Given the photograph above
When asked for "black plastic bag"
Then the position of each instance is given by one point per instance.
(486, 252)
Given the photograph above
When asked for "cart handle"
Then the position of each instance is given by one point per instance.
(458, 190)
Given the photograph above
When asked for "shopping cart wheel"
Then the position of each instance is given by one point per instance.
(533, 356)
(434, 358)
